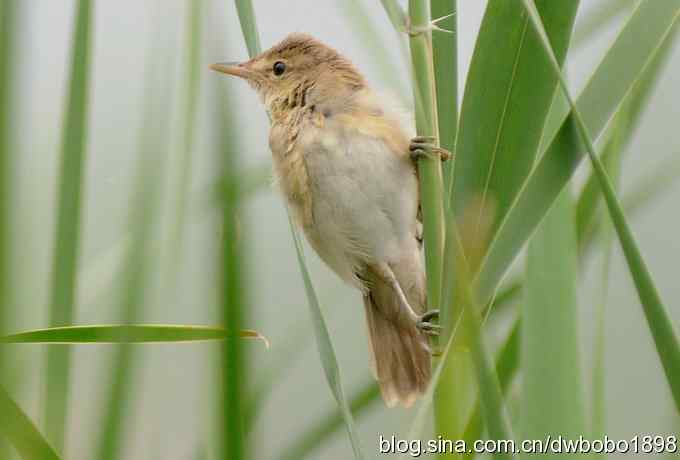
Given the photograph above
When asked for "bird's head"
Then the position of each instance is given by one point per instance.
(299, 70)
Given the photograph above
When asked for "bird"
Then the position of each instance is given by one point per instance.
(348, 171)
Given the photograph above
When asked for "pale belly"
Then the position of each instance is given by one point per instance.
(364, 202)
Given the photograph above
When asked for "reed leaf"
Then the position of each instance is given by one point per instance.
(634, 49)
(21, 432)
(552, 401)
(661, 326)
(126, 333)
(508, 93)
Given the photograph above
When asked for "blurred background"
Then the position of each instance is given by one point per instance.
(173, 383)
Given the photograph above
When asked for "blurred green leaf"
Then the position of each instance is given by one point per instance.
(661, 326)
(67, 236)
(132, 333)
(552, 400)
(644, 34)
(21, 432)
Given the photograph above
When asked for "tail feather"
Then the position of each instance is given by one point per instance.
(400, 352)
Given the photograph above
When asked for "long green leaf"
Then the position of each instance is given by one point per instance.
(65, 258)
(598, 393)
(323, 341)
(325, 346)
(508, 92)
(660, 324)
(492, 405)
(644, 34)
(445, 58)
(131, 333)
(507, 364)
(552, 401)
(637, 100)
(21, 432)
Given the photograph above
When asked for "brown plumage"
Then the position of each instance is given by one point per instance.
(343, 164)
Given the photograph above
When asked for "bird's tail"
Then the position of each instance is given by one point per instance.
(400, 352)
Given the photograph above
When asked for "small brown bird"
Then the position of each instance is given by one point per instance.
(347, 170)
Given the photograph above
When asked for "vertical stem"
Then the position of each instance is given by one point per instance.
(429, 169)
(65, 259)
(232, 300)
(445, 57)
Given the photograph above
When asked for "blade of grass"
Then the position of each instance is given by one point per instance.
(552, 400)
(323, 341)
(492, 405)
(325, 346)
(507, 363)
(65, 258)
(130, 333)
(598, 394)
(20, 430)
(445, 59)
(661, 326)
(644, 34)
(637, 101)
(508, 92)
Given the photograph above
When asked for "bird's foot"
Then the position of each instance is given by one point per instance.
(425, 146)
(426, 325)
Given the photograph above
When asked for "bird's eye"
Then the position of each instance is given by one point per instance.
(279, 68)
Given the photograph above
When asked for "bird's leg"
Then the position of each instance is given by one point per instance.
(424, 146)
(423, 323)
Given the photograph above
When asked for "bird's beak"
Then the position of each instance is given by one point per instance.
(232, 68)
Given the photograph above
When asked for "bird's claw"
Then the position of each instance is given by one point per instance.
(425, 323)
(425, 146)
